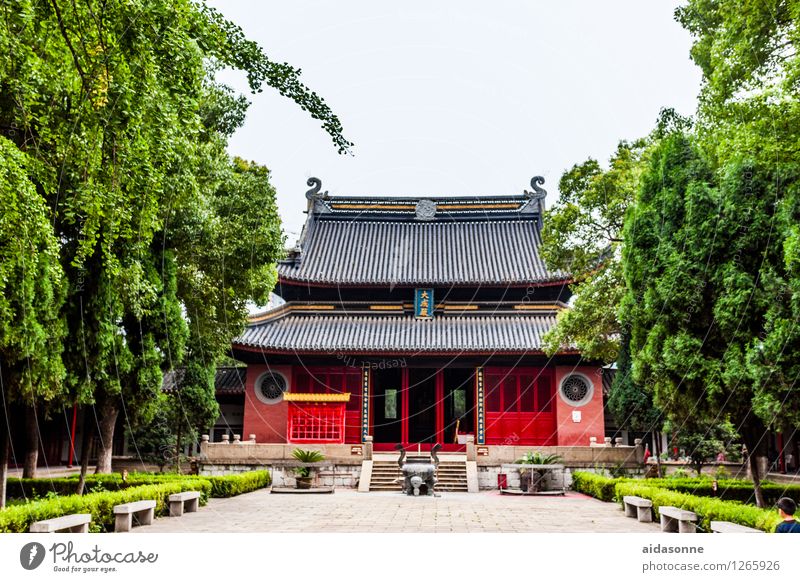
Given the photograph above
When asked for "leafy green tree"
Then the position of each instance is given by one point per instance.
(31, 295)
(629, 403)
(582, 234)
(747, 50)
(125, 130)
(692, 262)
(154, 443)
(192, 406)
(702, 443)
(750, 127)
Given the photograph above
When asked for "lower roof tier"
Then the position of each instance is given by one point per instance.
(398, 333)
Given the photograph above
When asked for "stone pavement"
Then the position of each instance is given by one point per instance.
(349, 511)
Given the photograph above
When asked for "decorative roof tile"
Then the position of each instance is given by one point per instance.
(227, 380)
(387, 252)
(413, 241)
(334, 333)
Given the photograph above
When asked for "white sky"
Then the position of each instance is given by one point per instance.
(457, 98)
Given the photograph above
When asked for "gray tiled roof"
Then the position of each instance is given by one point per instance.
(494, 251)
(334, 333)
(227, 380)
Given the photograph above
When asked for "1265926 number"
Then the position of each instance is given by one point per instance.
(757, 565)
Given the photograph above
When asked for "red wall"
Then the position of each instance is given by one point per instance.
(571, 433)
(266, 421)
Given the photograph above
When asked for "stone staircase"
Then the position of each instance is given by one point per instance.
(452, 474)
(385, 475)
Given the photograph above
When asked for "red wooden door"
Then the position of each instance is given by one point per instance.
(519, 406)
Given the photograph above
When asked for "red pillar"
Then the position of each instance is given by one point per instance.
(404, 407)
(439, 407)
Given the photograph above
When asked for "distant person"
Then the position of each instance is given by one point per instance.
(786, 508)
(721, 457)
(646, 453)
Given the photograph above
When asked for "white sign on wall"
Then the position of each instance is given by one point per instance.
(576, 416)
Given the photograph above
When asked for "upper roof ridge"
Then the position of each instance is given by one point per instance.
(425, 207)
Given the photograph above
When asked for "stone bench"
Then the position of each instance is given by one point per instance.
(124, 514)
(675, 519)
(185, 501)
(729, 527)
(638, 507)
(74, 523)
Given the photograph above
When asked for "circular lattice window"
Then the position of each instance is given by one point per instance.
(270, 387)
(576, 389)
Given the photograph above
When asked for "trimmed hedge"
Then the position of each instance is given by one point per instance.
(64, 486)
(739, 490)
(231, 485)
(18, 518)
(598, 486)
(706, 508)
(225, 486)
(729, 489)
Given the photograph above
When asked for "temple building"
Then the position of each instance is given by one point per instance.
(418, 321)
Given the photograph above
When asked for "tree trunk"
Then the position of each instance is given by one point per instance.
(755, 473)
(4, 453)
(754, 439)
(108, 412)
(31, 443)
(86, 440)
(178, 448)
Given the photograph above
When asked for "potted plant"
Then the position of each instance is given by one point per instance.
(304, 473)
(533, 481)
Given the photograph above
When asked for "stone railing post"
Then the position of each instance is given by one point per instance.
(607, 441)
(472, 454)
(225, 439)
(204, 445)
(237, 439)
(368, 448)
(252, 438)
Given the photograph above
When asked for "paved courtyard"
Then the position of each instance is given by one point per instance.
(350, 511)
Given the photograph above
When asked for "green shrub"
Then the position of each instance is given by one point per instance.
(707, 509)
(230, 485)
(739, 490)
(18, 518)
(728, 489)
(598, 486)
(41, 488)
(227, 486)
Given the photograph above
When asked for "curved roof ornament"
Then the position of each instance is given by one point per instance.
(316, 186)
(538, 192)
(535, 203)
(316, 197)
